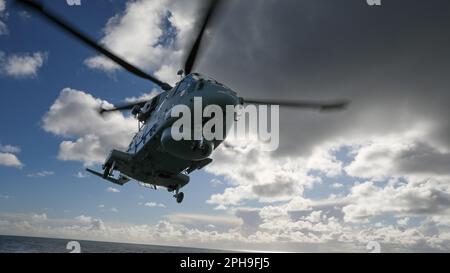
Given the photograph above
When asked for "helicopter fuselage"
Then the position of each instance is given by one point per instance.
(153, 156)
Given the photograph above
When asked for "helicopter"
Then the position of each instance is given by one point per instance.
(154, 158)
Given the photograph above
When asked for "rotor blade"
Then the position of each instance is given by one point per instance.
(37, 7)
(190, 61)
(322, 106)
(123, 107)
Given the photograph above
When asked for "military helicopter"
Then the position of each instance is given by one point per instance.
(153, 157)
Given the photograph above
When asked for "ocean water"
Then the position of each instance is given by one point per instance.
(19, 244)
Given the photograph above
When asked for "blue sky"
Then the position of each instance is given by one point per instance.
(376, 172)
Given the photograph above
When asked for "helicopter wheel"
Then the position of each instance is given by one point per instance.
(179, 197)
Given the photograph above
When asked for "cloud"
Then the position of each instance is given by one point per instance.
(143, 97)
(41, 174)
(411, 153)
(431, 197)
(74, 116)
(2, 6)
(257, 175)
(80, 175)
(275, 234)
(8, 157)
(88, 223)
(202, 220)
(158, 30)
(251, 220)
(396, 192)
(112, 190)
(216, 182)
(403, 221)
(22, 65)
(9, 149)
(3, 15)
(10, 160)
(39, 217)
(139, 24)
(153, 205)
(3, 28)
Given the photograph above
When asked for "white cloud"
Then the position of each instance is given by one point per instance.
(3, 14)
(9, 149)
(80, 175)
(74, 115)
(87, 223)
(8, 156)
(216, 182)
(23, 65)
(3, 28)
(203, 220)
(398, 190)
(139, 25)
(153, 205)
(2, 6)
(10, 160)
(144, 24)
(403, 221)
(41, 174)
(412, 153)
(257, 175)
(314, 216)
(143, 97)
(317, 233)
(429, 197)
(112, 190)
(81, 149)
(231, 197)
(39, 217)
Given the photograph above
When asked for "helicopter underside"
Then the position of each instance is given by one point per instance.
(153, 166)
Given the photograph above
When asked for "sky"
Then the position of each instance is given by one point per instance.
(378, 171)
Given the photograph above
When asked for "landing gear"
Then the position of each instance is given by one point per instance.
(179, 196)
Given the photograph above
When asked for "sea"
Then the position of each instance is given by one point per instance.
(19, 244)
